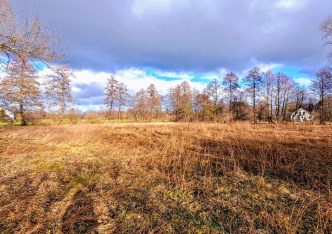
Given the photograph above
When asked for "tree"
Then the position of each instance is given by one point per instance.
(282, 88)
(180, 99)
(111, 93)
(213, 90)
(322, 85)
(299, 95)
(27, 39)
(20, 89)
(231, 84)
(286, 89)
(121, 97)
(174, 97)
(239, 110)
(327, 32)
(269, 82)
(58, 88)
(73, 115)
(254, 81)
(203, 106)
(154, 100)
(140, 104)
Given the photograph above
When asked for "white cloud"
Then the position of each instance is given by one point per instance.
(141, 6)
(291, 4)
(263, 66)
(88, 77)
(135, 79)
(270, 66)
(303, 81)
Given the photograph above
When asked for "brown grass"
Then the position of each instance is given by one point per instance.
(140, 178)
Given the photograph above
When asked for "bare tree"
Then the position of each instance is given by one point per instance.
(20, 89)
(287, 86)
(122, 96)
(281, 86)
(213, 90)
(231, 84)
(140, 105)
(322, 85)
(180, 99)
(174, 97)
(154, 100)
(254, 81)
(203, 106)
(111, 93)
(299, 95)
(73, 114)
(327, 32)
(25, 39)
(5, 11)
(269, 82)
(58, 88)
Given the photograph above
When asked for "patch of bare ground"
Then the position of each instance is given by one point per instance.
(166, 178)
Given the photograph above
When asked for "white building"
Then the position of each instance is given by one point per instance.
(301, 115)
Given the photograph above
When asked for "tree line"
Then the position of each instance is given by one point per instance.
(259, 96)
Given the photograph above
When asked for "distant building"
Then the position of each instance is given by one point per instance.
(301, 115)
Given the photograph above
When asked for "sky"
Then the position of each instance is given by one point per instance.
(168, 41)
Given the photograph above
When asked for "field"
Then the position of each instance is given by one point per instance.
(166, 178)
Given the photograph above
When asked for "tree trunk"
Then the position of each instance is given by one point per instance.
(63, 102)
(254, 106)
(111, 112)
(23, 117)
(119, 112)
(322, 119)
(230, 98)
(271, 105)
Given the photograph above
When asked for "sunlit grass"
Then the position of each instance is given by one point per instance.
(236, 178)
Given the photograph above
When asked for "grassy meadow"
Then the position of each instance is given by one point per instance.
(166, 178)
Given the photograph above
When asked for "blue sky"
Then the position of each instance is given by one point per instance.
(168, 41)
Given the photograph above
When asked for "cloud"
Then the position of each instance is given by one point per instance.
(86, 91)
(168, 41)
(134, 78)
(191, 36)
(303, 81)
(143, 7)
(88, 86)
(291, 4)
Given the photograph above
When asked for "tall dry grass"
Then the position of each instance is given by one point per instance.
(139, 178)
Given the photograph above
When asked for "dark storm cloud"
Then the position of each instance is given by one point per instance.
(185, 35)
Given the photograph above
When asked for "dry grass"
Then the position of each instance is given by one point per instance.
(140, 178)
